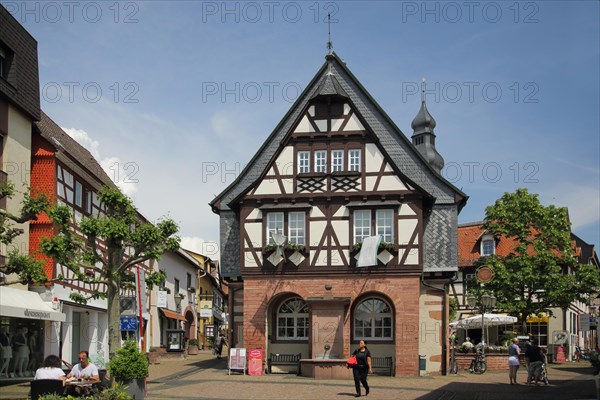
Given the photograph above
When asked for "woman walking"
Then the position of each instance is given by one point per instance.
(513, 360)
(362, 368)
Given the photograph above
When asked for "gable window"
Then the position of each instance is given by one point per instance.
(296, 229)
(303, 162)
(373, 320)
(321, 161)
(488, 246)
(337, 160)
(362, 225)
(354, 160)
(274, 225)
(292, 320)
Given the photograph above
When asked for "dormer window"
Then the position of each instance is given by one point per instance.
(488, 246)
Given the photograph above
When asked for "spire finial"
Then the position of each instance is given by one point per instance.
(329, 44)
(423, 86)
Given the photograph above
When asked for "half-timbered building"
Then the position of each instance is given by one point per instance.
(335, 171)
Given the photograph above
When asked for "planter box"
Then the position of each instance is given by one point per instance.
(136, 388)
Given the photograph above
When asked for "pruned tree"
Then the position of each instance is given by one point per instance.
(20, 267)
(541, 271)
(127, 240)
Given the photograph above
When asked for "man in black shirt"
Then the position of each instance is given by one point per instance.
(534, 354)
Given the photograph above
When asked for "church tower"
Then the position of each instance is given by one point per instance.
(423, 136)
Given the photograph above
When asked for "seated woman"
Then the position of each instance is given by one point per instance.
(51, 369)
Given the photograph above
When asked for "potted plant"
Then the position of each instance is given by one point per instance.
(129, 366)
(193, 346)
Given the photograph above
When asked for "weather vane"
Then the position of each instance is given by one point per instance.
(329, 44)
(423, 85)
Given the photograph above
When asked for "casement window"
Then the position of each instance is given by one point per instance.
(379, 221)
(74, 193)
(337, 160)
(362, 225)
(488, 246)
(296, 227)
(321, 161)
(295, 222)
(373, 320)
(274, 225)
(354, 160)
(303, 162)
(385, 224)
(292, 320)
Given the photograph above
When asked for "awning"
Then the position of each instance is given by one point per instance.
(171, 314)
(24, 304)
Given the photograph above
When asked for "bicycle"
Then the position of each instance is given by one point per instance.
(478, 365)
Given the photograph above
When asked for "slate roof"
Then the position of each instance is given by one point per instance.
(22, 86)
(50, 131)
(400, 149)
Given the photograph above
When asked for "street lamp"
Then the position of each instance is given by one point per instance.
(486, 302)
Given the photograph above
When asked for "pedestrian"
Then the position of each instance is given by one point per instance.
(513, 360)
(219, 343)
(362, 368)
(50, 369)
(536, 360)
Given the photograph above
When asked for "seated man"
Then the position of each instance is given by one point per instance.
(84, 369)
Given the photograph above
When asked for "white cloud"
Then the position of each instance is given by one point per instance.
(123, 174)
(201, 246)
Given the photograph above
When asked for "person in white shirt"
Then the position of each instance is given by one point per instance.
(50, 369)
(85, 369)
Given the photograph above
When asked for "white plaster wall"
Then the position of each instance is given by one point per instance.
(406, 228)
(17, 164)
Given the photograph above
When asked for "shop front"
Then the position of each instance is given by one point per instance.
(29, 331)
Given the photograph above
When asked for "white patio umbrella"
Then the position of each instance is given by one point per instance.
(474, 322)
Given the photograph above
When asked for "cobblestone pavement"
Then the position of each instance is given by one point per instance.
(204, 377)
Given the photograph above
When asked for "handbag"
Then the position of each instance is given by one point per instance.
(352, 361)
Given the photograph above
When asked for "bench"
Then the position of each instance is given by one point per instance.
(284, 359)
(383, 363)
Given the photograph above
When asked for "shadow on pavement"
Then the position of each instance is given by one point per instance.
(558, 389)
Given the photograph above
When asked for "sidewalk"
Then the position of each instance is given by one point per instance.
(202, 376)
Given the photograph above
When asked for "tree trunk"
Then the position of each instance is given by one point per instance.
(114, 319)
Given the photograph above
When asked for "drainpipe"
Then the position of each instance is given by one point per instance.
(444, 320)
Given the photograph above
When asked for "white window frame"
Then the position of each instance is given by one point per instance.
(360, 229)
(486, 239)
(354, 160)
(321, 161)
(337, 160)
(275, 223)
(296, 319)
(297, 227)
(384, 222)
(303, 162)
(379, 323)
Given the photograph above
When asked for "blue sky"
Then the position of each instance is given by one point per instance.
(175, 97)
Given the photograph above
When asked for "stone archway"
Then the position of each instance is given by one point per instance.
(190, 324)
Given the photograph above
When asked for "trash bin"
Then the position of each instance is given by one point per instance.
(422, 363)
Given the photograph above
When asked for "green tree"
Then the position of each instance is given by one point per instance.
(25, 267)
(128, 241)
(541, 271)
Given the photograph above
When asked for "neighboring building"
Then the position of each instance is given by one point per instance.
(212, 301)
(335, 171)
(178, 311)
(475, 243)
(23, 314)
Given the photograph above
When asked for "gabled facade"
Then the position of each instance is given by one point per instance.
(179, 312)
(212, 301)
(474, 243)
(335, 171)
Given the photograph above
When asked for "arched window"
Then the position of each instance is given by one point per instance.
(292, 320)
(373, 320)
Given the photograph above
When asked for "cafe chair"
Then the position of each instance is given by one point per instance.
(43, 387)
